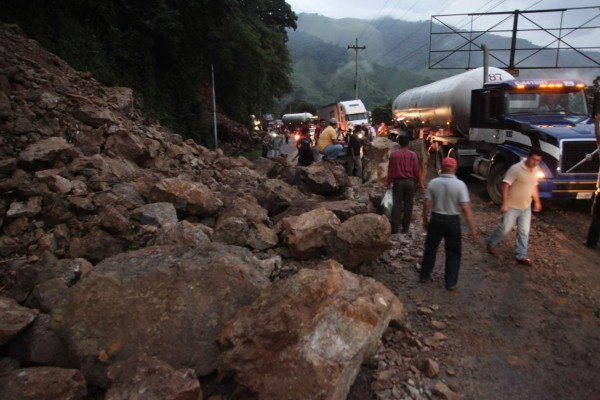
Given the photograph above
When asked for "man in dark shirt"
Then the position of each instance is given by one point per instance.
(404, 170)
(355, 145)
(305, 155)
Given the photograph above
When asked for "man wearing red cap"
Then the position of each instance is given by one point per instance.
(446, 197)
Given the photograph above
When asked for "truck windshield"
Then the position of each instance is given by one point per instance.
(355, 117)
(570, 103)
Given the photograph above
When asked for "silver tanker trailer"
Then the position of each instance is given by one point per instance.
(489, 126)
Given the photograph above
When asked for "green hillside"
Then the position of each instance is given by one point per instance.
(324, 68)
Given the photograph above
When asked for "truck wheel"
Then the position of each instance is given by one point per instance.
(494, 181)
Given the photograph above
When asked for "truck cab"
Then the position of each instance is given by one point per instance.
(510, 117)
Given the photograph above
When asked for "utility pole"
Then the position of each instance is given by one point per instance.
(356, 48)
(214, 103)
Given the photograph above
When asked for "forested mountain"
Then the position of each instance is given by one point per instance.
(396, 58)
(324, 69)
(165, 49)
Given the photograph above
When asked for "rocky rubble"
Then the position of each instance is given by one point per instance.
(127, 251)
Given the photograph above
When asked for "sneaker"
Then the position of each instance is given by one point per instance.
(425, 279)
(591, 246)
(491, 249)
(451, 287)
(524, 261)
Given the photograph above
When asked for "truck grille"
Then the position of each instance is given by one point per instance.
(574, 152)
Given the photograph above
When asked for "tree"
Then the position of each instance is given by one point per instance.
(382, 113)
(164, 49)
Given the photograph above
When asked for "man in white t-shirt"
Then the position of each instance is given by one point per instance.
(519, 187)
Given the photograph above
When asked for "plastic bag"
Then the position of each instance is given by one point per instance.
(387, 203)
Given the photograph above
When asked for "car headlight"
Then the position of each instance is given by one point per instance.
(540, 174)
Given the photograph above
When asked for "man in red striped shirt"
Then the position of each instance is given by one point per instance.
(404, 170)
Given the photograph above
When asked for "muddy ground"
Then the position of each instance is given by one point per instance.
(509, 331)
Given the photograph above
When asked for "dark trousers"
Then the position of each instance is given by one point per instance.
(403, 193)
(445, 227)
(594, 231)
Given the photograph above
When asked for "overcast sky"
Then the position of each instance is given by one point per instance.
(418, 10)
(422, 10)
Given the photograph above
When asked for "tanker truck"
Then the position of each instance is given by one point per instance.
(489, 126)
(292, 121)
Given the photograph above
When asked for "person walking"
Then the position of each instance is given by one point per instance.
(328, 145)
(304, 155)
(356, 144)
(446, 197)
(594, 231)
(276, 144)
(519, 187)
(404, 170)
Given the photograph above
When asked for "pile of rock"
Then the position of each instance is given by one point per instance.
(126, 252)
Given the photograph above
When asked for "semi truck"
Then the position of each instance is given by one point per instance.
(488, 120)
(350, 112)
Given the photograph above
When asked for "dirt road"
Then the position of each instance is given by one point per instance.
(509, 331)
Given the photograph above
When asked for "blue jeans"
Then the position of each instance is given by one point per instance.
(332, 151)
(513, 216)
(445, 227)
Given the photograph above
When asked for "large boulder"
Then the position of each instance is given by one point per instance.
(156, 214)
(147, 378)
(360, 239)
(375, 160)
(244, 222)
(345, 209)
(94, 115)
(96, 245)
(127, 145)
(324, 178)
(165, 301)
(43, 383)
(13, 318)
(190, 197)
(277, 196)
(44, 151)
(307, 234)
(38, 344)
(183, 233)
(306, 336)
